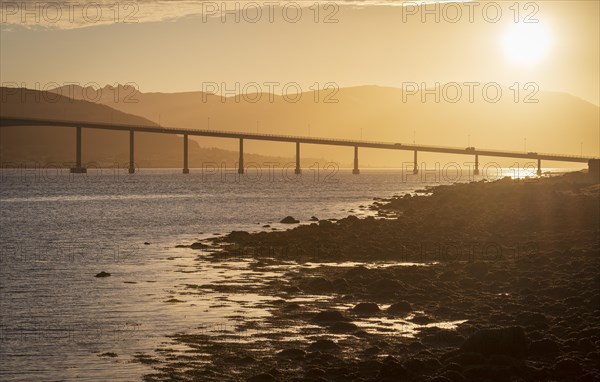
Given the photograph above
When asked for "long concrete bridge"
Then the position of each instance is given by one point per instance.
(79, 126)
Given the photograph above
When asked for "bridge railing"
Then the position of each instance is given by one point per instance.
(399, 145)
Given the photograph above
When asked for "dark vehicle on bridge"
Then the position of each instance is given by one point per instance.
(470, 148)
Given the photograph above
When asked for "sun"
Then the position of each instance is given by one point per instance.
(527, 43)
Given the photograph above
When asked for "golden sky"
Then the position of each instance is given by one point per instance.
(174, 46)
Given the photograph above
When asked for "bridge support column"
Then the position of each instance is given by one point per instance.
(415, 167)
(186, 170)
(78, 169)
(241, 161)
(298, 170)
(539, 170)
(594, 169)
(356, 171)
(476, 171)
(131, 154)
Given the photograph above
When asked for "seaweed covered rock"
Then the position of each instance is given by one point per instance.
(509, 341)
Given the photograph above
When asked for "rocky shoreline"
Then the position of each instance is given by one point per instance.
(470, 282)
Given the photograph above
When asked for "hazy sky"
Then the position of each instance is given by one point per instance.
(173, 46)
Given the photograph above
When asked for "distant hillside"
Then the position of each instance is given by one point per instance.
(557, 123)
(41, 145)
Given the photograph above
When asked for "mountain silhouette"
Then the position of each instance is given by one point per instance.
(56, 145)
(548, 121)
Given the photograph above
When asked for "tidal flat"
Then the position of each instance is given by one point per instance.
(484, 281)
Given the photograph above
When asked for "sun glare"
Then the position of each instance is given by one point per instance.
(527, 43)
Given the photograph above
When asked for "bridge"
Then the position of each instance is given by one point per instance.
(472, 151)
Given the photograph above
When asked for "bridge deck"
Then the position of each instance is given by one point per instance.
(10, 121)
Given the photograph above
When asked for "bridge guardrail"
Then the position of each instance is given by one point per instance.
(399, 145)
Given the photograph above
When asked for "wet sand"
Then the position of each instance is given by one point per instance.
(470, 282)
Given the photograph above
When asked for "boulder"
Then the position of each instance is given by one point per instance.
(319, 285)
(535, 319)
(289, 220)
(509, 341)
(291, 353)
(329, 316)
(544, 347)
(401, 307)
(366, 308)
(323, 345)
(265, 377)
(343, 327)
(567, 368)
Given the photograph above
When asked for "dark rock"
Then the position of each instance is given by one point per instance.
(323, 345)
(319, 285)
(247, 360)
(289, 220)
(199, 245)
(535, 319)
(544, 347)
(343, 327)
(102, 274)
(501, 360)
(508, 341)
(329, 316)
(340, 285)
(292, 289)
(291, 306)
(316, 373)
(439, 378)
(453, 367)
(326, 224)
(292, 353)
(567, 368)
(453, 376)
(262, 378)
(416, 345)
(313, 219)
(467, 359)
(422, 319)
(589, 377)
(146, 243)
(585, 345)
(372, 351)
(366, 308)
(236, 236)
(392, 370)
(401, 307)
(385, 287)
(358, 271)
(414, 365)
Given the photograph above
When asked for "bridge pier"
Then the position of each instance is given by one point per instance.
(415, 167)
(131, 156)
(241, 161)
(186, 170)
(539, 170)
(298, 170)
(476, 171)
(355, 171)
(594, 169)
(78, 169)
